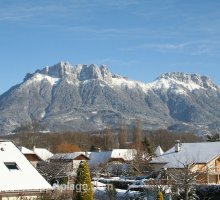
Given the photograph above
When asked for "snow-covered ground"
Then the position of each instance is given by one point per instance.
(143, 193)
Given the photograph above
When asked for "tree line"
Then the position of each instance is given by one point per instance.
(107, 139)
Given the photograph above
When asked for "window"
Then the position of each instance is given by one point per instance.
(11, 166)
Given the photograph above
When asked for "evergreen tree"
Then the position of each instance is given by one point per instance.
(93, 148)
(159, 195)
(83, 181)
(147, 145)
(213, 137)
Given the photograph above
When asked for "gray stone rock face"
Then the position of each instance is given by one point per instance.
(88, 97)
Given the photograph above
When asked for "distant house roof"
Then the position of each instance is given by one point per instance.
(159, 151)
(189, 153)
(43, 153)
(25, 150)
(51, 170)
(125, 154)
(16, 172)
(68, 156)
(30, 155)
(54, 170)
(97, 158)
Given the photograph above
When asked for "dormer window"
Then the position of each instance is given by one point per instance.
(11, 165)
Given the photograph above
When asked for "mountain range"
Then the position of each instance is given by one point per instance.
(89, 97)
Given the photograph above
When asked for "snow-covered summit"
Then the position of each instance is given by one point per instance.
(38, 78)
(90, 97)
(177, 81)
(80, 72)
(180, 81)
(189, 81)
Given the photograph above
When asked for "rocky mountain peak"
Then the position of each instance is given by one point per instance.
(106, 75)
(174, 101)
(201, 81)
(60, 70)
(85, 72)
(80, 72)
(179, 76)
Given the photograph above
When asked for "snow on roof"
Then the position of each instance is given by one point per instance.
(25, 150)
(159, 151)
(189, 153)
(126, 154)
(54, 170)
(43, 153)
(67, 156)
(17, 173)
(97, 158)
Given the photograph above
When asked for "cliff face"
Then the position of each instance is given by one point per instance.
(89, 98)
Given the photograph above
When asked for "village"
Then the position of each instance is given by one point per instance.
(185, 171)
(109, 100)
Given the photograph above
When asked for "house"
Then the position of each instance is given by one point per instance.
(115, 162)
(159, 151)
(123, 155)
(202, 158)
(32, 157)
(18, 177)
(42, 153)
(120, 155)
(61, 167)
(68, 157)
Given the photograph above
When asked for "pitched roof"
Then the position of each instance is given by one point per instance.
(159, 151)
(67, 156)
(97, 158)
(189, 153)
(25, 150)
(43, 153)
(17, 173)
(51, 170)
(126, 154)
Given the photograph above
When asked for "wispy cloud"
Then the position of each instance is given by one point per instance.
(201, 32)
(165, 47)
(162, 47)
(23, 10)
(194, 47)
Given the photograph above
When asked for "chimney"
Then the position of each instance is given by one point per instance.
(99, 149)
(87, 154)
(34, 148)
(177, 146)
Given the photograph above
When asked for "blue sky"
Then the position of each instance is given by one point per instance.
(140, 39)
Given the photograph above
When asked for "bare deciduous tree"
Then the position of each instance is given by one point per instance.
(122, 135)
(184, 178)
(108, 139)
(137, 135)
